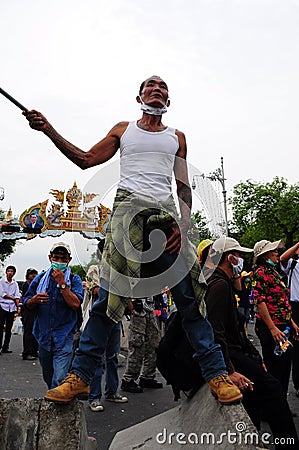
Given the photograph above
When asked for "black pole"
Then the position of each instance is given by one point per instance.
(14, 101)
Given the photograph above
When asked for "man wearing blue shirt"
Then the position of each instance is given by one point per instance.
(56, 295)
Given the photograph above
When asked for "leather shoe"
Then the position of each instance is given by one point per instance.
(71, 387)
(131, 386)
(150, 383)
(6, 351)
(225, 390)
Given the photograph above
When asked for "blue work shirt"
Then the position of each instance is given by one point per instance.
(55, 320)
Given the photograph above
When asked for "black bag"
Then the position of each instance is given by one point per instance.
(175, 359)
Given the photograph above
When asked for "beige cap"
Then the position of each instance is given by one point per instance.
(60, 245)
(265, 246)
(226, 244)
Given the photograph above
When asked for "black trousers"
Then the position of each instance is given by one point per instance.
(30, 346)
(7, 318)
(295, 366)
(278, 366)
(267, 400)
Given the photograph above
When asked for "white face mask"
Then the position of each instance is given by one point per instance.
(152, 110)
(237, 268)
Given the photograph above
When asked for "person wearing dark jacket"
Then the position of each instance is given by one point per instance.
(30, 345)
(262, 393)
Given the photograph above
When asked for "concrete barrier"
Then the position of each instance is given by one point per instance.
(34, 424)
(198, 423)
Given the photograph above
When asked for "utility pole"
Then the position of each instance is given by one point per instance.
(217, 175)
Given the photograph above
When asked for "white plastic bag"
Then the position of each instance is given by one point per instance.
(17, 327)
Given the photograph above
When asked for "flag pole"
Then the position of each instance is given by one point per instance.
(13, 100)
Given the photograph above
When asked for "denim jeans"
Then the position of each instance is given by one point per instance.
(55, 363)
(198, 329)
(111, 367)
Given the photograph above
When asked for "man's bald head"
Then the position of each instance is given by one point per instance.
(155, 77)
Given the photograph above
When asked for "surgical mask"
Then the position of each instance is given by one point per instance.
(271, 263)
(56, 265)
(152, 110)
(237, 268)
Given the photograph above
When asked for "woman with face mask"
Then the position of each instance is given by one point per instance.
(273, 309)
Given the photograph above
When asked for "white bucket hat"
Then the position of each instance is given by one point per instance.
(265, 246)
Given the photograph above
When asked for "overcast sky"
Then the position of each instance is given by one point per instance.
(232, 68)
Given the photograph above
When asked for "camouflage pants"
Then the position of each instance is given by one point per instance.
(144, 337)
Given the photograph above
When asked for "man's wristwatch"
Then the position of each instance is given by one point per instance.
(63, 286)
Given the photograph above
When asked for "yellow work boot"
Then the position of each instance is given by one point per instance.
(225, 390)
(71, 387)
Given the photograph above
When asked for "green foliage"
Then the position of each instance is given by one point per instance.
(82, 270)
(265, 211)
(6, 246)
(199, 229)
(77, 269)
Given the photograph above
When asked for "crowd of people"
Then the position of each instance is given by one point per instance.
(203, 287)
(49, 303)
(54, 297)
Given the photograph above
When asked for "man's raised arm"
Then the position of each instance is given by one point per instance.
(288, 254)
(98, 154)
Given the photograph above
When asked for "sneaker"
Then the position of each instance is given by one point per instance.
(224, 389)
(150, 383)
(96, 406)
(131, 386)
(69, 389)
(116, 398)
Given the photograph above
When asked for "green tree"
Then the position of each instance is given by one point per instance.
(265, 211)
(6, 248)
(199, 229)
(6, 245)
(82, 270)
(77, 269)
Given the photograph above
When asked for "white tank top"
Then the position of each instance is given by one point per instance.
(147, 160)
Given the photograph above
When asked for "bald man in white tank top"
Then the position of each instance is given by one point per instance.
(150, 153)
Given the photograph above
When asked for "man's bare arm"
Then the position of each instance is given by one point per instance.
(176, 240)
(98, 154)
(288, 254)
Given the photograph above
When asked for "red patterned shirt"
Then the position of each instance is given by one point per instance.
(269, 288)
